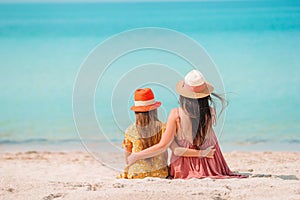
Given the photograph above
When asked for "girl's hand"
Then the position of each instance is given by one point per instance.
(208, 152)
(131, 159)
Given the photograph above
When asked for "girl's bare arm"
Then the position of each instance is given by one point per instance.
(186, 152)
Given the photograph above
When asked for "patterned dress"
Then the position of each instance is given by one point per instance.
(150, 167)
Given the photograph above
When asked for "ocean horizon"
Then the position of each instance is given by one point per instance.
(255, 46)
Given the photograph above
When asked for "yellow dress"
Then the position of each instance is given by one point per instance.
(151, 167)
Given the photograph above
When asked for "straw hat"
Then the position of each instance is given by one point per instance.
(194, 86)
(144, 100)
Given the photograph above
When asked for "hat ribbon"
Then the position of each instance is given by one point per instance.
(144, 103)
(197, 88)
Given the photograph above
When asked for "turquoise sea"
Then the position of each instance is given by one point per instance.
(255, 45)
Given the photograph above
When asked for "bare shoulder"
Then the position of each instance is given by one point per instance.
(173, 114)
(212, 110)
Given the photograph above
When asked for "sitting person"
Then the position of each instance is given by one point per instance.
(190, 126)
(146, 132)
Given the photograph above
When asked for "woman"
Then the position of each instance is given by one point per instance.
(191, 127)
(146, 132)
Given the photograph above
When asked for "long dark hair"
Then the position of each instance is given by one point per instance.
(200, 114)
(149, 128)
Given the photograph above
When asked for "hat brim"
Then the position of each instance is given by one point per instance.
(193, 95)
(145, 108)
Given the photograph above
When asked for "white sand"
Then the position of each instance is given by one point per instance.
(77, 175)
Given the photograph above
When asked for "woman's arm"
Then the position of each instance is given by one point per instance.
(166, 140)
(127, 145)
(127, 154)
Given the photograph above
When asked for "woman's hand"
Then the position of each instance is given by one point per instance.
(208, 152)
(131, 159)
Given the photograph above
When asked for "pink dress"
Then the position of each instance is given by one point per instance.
(193, 167)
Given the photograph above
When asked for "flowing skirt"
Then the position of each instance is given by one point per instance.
(193, 167)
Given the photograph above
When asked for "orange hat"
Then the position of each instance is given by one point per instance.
(144, 100)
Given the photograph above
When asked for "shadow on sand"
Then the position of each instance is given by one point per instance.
(283, 177)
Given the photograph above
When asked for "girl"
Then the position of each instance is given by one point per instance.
(146, 132)
(191, 127)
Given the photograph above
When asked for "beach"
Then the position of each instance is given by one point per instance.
(253, 49)
(78, 175)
